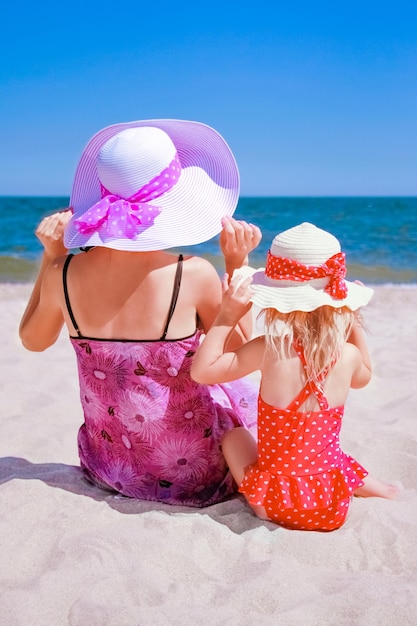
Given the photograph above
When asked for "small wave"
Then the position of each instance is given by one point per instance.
(17, 270)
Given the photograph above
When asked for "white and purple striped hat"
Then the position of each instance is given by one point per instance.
(152, 185)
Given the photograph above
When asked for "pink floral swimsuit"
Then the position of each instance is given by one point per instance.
(150, 431)
(302, 477)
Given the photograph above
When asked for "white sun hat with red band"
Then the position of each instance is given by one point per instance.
(152, 185)
(305, 270)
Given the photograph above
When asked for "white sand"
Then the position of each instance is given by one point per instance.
(71, 554)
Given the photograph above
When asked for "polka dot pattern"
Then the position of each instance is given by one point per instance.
(280, 268)
(302, 477)
(120, 217)
(191, 212)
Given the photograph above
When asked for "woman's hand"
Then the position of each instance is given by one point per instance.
(237, 240)
(50, 233)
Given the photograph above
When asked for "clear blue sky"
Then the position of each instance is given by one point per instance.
(314, 98)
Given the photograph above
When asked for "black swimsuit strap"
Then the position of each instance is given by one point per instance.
(174, 298)
(175, 292)
(67, 300)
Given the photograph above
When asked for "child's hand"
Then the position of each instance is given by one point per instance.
(236, 300)
(50, 233)
(237, 240)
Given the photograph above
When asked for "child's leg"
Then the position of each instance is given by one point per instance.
(240, 451)
(376, 488)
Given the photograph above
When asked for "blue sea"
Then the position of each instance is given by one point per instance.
(379, 235)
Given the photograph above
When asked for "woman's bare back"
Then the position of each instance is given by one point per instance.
(126, 295)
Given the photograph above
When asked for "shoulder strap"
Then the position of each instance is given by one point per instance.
(309, 388)
(175, 292)
(67, 300)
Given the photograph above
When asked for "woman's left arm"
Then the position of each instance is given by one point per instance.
(42, 320)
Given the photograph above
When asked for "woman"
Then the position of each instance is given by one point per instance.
(135, 312)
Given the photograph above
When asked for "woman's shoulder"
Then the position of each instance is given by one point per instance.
(200, 268)
(192, 260)
(55, 269)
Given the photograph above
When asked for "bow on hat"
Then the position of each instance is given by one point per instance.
(280, 268)
(126, 217)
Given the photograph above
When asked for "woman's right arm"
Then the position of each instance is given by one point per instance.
(237, 240)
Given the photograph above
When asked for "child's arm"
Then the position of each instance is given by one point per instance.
(363, 371)
(212, 363)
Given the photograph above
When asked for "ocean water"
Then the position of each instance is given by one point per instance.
(378, 235)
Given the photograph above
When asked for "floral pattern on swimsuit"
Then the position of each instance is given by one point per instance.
(150, 431)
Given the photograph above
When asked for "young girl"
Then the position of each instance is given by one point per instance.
(313, 351)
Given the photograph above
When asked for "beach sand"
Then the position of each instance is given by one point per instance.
(72, 554)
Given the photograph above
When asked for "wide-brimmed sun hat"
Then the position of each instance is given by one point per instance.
(305, 269)
(152, 185)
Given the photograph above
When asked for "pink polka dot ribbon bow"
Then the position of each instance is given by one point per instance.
(126, 217)
(280, 268)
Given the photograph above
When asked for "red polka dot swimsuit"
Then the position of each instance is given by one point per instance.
(302, 477)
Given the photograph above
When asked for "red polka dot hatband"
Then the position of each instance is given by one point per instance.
(305, 270)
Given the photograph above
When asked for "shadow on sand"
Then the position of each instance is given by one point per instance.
(233, 513)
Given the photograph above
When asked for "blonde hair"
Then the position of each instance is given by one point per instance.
(321, 333)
